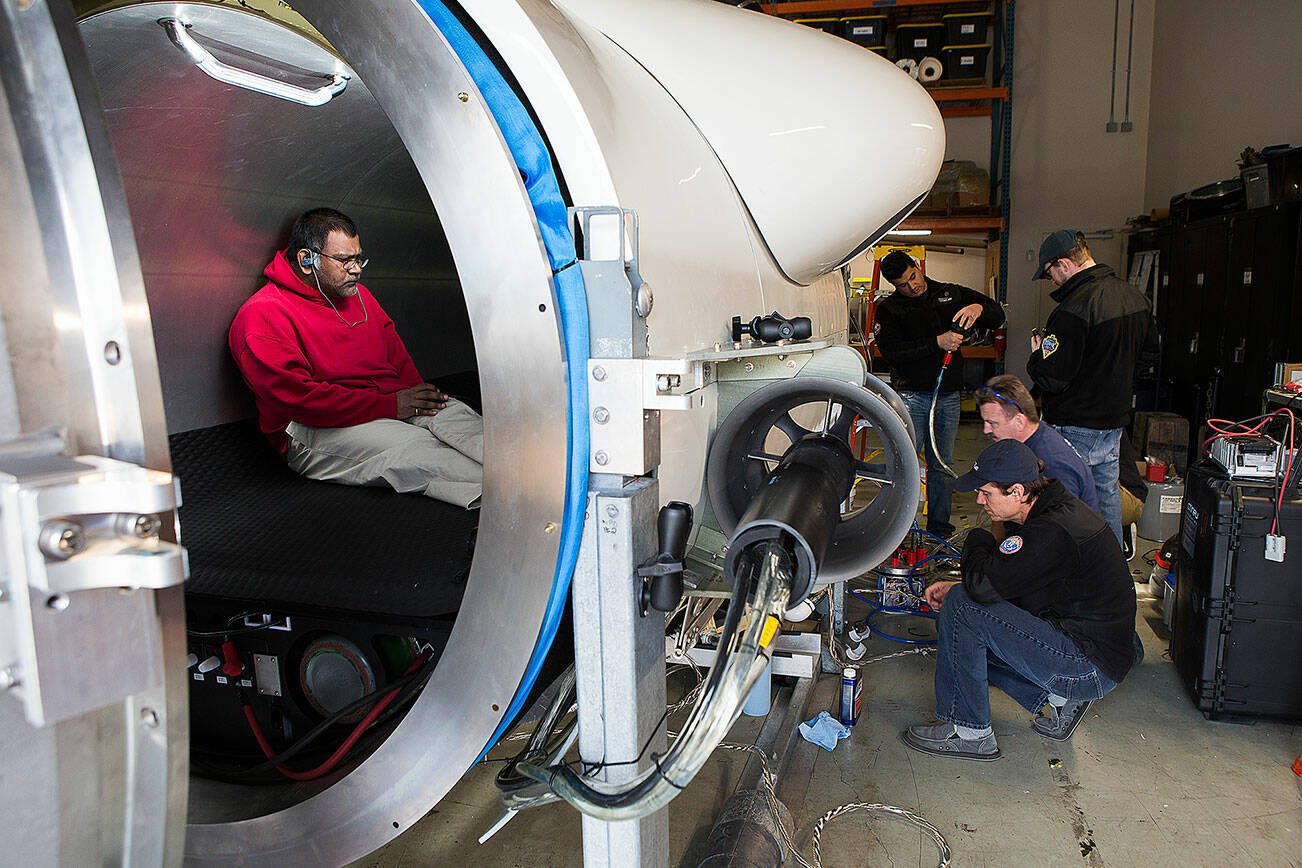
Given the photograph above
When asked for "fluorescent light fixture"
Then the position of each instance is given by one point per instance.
(910, 232)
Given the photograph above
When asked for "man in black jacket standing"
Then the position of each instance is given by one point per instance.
(916, 327)
(1085, 364)
(1047, 615)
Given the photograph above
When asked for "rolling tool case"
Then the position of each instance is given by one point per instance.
(1237, 631)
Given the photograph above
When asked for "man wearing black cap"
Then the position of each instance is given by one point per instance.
(1047, 615)
(1085, 364)
(916, 327)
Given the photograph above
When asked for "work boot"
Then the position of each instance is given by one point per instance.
(1062, 722)
(942, 739)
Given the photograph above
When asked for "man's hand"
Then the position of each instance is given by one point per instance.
(968, 315)
(423, 400)
(1036, 340)
(949, 341)
(936, 593)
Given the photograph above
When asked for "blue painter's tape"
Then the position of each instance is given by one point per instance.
(535, 164)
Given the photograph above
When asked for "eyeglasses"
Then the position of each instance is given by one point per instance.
(993, 392)
(360, 260)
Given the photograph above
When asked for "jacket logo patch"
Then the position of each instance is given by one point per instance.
(1011, 546)
(1050, 345)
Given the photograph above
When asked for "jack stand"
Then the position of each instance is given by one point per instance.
(619, 664)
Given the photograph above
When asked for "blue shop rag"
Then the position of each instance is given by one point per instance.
(824, 730)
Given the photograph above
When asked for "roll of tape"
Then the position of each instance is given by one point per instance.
(930, 69)
(909, 65)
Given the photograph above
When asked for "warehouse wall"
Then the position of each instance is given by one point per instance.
(1068, 171)
(1225, 76)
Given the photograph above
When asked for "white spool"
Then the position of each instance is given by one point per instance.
(930, 69)
(909, 65)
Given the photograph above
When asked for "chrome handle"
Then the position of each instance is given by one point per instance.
(178, 32)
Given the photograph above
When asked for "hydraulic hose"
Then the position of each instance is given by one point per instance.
(931, 415)
(734, 672)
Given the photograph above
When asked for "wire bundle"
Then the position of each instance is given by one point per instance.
(1225, 430)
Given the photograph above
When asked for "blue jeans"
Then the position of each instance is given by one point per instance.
(1000, 644)
(1100, 448)
(940, 485)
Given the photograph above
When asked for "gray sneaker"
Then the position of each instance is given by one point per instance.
(942, 739)
(1062, 722)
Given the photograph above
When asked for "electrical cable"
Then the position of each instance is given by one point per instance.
(301, 744)
(343, 749)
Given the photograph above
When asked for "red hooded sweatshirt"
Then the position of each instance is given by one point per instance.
(303, 362)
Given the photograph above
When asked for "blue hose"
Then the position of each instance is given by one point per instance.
(878, 608)
(535, 164)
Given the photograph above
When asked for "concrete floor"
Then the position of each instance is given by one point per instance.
(1146, 780)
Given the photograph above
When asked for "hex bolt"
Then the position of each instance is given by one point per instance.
(599, 373)
(463, 96)
(601, 457)
(750, 366)
(62, 539)
(150, 718)
(612, 511)
(602, 415)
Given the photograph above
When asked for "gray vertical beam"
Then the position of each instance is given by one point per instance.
(620, 667)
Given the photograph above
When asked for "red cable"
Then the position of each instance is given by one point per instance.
(1249, 432)
(1288, 469)
(343, 749)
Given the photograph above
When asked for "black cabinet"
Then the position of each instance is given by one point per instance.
(1228, 307)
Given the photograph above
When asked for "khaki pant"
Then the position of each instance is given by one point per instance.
(439, 456)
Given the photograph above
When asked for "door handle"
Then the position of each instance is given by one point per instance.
(179, 32)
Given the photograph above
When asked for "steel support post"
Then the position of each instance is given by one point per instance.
(620, 665)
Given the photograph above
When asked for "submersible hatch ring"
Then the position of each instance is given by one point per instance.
(739, 464)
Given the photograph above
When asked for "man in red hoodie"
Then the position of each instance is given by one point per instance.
(336, 391)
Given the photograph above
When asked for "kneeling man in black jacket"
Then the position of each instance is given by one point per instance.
(1047, 615)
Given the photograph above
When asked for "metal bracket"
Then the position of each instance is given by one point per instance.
(626, 397)
(78, 537)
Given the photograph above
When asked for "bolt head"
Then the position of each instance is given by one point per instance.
(601, 457)
(146, 526)
(598, 373)
(150, 718)
(611, 510)
(601, 415)
(750, 366)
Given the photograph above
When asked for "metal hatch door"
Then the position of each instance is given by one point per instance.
(93, 724)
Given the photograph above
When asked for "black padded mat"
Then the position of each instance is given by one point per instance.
(257, 531)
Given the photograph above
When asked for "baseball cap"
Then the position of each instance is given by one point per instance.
(1004, 462)
(1055, 247)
